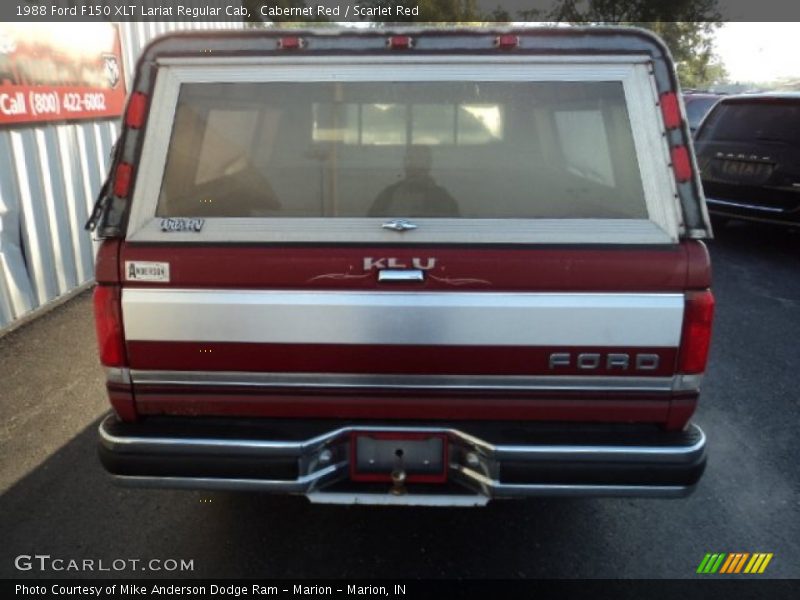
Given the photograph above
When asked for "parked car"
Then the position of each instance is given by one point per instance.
(697, 106)
(748, 152)
(411, 267)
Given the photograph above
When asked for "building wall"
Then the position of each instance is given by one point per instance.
(50, 175)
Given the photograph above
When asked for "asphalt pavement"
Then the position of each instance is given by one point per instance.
(56, 500)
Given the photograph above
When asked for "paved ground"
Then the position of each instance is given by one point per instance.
(55, 499)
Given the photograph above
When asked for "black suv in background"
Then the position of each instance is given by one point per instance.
(748, 152)
(697, 106)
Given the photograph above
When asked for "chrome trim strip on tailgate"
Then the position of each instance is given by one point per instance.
(199, 379)
(404, 318)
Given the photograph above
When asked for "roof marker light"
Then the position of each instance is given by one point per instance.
(399, 42)
(506, 41)
(291, 43)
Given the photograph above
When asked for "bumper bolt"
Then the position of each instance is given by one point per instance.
(325, 457)
(472, 460)
(398, 482)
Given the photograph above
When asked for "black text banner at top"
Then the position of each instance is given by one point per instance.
(399, 11)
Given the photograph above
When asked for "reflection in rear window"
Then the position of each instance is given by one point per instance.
(767, 121)
(410, 149)
(696, 109)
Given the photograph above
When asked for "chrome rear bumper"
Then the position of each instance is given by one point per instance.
(482, 462)
(753, 212)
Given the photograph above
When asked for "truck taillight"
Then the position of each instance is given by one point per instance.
(696, 337)
(108, 324)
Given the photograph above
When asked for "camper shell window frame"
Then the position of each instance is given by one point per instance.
(663, 226)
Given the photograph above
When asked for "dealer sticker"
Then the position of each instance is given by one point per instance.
(174, 224)
(146, 271)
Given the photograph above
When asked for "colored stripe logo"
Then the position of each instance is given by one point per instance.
(734, 562)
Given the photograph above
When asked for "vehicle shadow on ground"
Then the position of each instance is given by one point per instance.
(774, 242)
(68, 508)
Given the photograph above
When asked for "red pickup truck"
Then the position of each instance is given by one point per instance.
(404, 267)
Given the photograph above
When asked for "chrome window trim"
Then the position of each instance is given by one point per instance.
(224, 63)
(430, 231)
(658, 180)
(662, 227)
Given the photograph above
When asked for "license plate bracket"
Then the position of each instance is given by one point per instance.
(746, 169)
(375, 454)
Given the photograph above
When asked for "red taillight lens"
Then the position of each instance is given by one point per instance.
(681, 164)
(670, 110)
(137, 107)
(108, 324)
(696, 337)
(122, 180)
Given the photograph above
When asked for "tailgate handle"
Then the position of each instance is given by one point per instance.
(401, 275)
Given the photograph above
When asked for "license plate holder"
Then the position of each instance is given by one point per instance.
(374, 455)
(745, 169)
